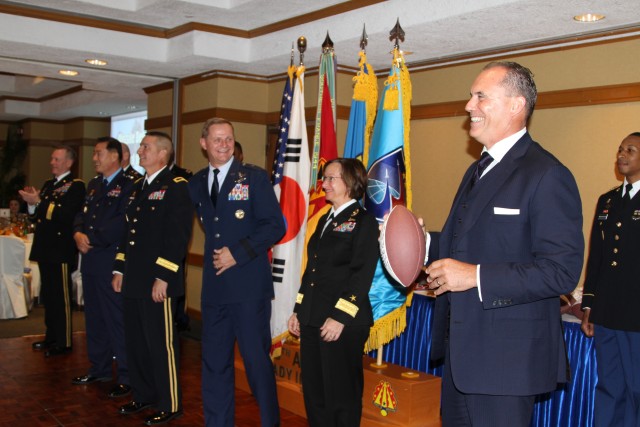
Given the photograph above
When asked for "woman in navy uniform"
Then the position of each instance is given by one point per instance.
(611, 294)
(150, 262)
(332, 314)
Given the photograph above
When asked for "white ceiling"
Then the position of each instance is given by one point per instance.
(40, 37)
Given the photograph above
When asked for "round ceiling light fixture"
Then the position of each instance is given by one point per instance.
(96, 61)
(589, 17)
(71, 73)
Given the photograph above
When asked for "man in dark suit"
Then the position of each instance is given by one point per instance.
(53, 209)
(511, 246)
(126, 163)
(242, 220)
(611, 294)
(97, 232)
(149, 273)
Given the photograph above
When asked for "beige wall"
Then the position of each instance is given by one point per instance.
(584, 138)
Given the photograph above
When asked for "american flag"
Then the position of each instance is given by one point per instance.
(291, 181)
(285, 120)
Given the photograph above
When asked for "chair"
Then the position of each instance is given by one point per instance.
(14, 294)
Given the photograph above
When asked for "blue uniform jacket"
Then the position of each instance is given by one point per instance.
(248, 221)
(102, 220)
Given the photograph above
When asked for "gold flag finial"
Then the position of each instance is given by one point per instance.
(302, 46)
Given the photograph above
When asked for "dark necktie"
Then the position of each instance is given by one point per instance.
(215, 187)
(627, 195)
(326, 224)
(482, 164)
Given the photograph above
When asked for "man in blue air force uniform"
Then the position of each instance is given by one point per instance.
(242, 220)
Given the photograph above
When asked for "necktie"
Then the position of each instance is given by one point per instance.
(326, 224)
(627, 195)
(482, 164)
(215, 187)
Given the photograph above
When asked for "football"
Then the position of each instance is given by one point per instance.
(402, 245)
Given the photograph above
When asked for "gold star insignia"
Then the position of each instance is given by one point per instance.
(353, 298)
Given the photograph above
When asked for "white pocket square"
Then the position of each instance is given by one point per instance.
(505, 211)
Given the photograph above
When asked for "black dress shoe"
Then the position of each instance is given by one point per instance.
(40, 345)
(162, 417)
(57, 351)
(119, 390)
(89, 379)
(133, 407)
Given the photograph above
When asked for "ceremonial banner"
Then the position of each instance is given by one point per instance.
(324, 141)
(363, 112)
(389, 184)
(291, 182)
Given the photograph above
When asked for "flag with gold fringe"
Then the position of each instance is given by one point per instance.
(291, 182)
(363, 112)
(324, 139)
(389, 184)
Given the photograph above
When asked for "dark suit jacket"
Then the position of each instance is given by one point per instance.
(155, 240)
(59, 203)
(613, 268)
(102, 220)
(511, 342)
(247, 219)
(340, 270)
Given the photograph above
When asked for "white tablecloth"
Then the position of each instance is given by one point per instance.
(32, 268)
(15, 299)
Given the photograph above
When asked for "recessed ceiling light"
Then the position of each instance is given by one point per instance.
(589, 17)
(68, 72)
(96, 61)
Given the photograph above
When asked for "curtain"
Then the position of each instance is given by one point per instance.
(571, 405)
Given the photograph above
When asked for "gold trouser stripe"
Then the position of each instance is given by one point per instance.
(171, 356)
(167, 264)
(349, 308)
(50, 210)
(67, 302)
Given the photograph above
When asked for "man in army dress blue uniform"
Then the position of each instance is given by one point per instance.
(53, 210)
(149, 273)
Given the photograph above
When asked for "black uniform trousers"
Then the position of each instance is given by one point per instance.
(105, 331)
(332, 376)
(55, 294)
(152, 352)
